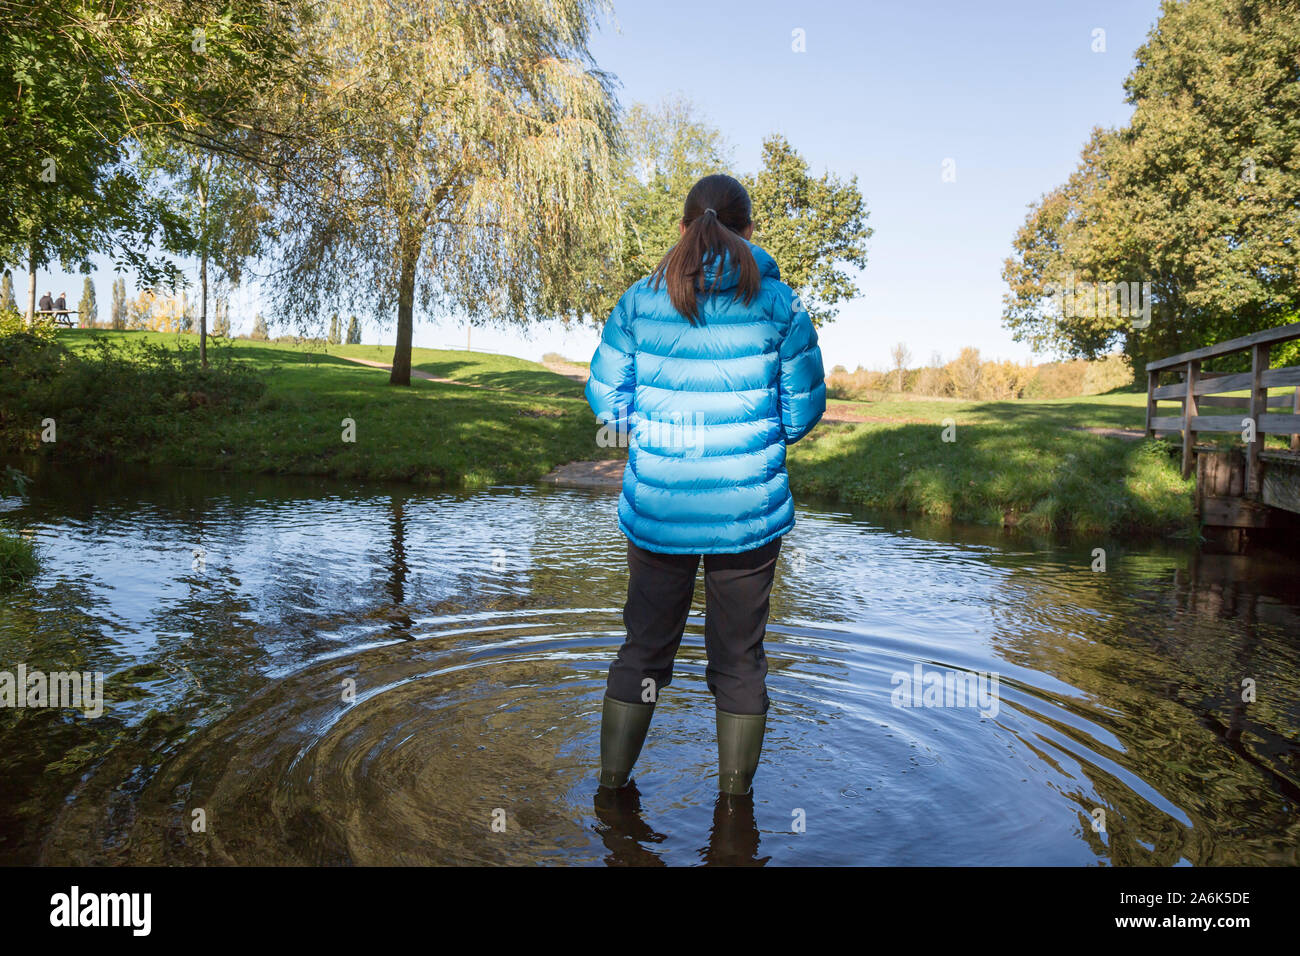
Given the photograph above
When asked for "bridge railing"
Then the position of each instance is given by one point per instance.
(1199, 389)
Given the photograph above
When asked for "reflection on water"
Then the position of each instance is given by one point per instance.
(301, 671)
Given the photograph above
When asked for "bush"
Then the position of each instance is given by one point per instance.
(112, 399)
(14, 323)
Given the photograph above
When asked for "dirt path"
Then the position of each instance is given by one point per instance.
(606, 474)
(576, 372)
(415, 372)
(1128, 434)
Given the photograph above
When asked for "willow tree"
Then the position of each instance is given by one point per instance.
(461, 161)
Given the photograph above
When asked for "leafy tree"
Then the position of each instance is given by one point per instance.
(85, 85)
(118, 315)
(812, 226)
(187, 313)
(901, 355)
(664, 150)
(87, 309)
(462, 160)
(335, 334)
(220, 198)
(221, 317)
(354, 331)
(140, 312)
(1197, 194)
(7, 300)
(966, 373)
(260, 332)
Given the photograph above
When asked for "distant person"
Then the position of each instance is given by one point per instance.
(61, 303)
(46, 304)
(712, 365)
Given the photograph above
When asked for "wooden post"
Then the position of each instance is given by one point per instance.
(1258, 403)
(1153, 381)
(1295, 407)
(1192, 373)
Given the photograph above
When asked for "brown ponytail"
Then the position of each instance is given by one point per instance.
(717, 209)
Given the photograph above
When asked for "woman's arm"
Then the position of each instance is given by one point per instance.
(802, 379)
(612, 384)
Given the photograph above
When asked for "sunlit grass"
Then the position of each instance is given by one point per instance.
(1024, 463)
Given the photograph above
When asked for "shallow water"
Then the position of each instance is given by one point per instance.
(232, 615)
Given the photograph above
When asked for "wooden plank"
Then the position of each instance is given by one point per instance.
(1171, 423)
(1277, 403)
(1267, 337)
(1282, 377)
(1218, 423)
(1237, 382)
(1277, 424)
(1234, 513)
(1218, 474)
(1295, 407)
(1258, 401)
(1280, 487)
(1152, 379)
(1189, 417)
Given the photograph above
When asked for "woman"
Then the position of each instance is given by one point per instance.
(712, 366)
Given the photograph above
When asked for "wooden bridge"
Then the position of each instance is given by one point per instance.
(1236, 488)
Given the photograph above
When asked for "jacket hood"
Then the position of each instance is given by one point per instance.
(767, 268)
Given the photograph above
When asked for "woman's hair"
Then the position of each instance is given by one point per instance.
(717, 208)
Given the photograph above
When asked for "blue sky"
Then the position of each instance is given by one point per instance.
(1007, 90)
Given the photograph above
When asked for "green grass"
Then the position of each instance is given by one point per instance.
(430, 433)
(1025, 463)
(18, 560)
(474, 368)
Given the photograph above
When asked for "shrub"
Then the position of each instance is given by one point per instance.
(112, 398)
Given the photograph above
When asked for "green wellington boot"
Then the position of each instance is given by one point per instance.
(740, 741)
(623, 728)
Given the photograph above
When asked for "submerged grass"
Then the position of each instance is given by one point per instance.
(18, 559)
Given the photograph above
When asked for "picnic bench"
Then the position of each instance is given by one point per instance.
(61, 316)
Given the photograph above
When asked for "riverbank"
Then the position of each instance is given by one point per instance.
(493, 419)
(1061, 464)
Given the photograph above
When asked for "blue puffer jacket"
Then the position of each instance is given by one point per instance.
(707, 411)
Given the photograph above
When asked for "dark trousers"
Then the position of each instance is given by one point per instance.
(737, 588)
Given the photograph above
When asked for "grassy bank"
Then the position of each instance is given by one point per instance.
(1025, 463)
(293, 422)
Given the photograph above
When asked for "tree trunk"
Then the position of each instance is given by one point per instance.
(401, 374)
(203, 273)
(31, 285)
(203, 311)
